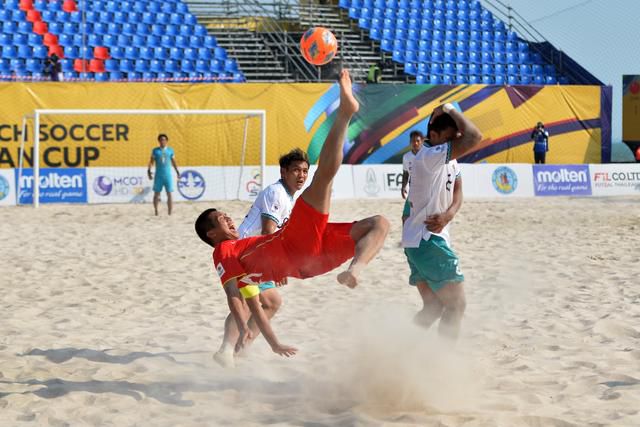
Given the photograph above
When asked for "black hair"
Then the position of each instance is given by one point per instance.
(440, 123)
(415, 133)
(163, 135)
(295, 155)
(203, 225)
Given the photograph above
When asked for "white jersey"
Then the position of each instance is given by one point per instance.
(274, 202)
(432, 181)
(407, 161)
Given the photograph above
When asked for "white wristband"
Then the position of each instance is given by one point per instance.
(448, 107)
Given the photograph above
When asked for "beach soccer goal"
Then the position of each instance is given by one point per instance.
(110, 150)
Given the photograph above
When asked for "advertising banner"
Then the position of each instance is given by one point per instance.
(487, 180)
(377, 181)
(118, 185)
(561, 180)
(7, 187)
(631, 108)
(57, 185)
(298, 115)
(615, 179)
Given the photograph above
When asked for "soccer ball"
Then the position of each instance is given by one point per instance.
(318, 46)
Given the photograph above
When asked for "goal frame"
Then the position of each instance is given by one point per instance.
(262, 114)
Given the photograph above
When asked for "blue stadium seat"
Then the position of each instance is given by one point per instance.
(141, 65)
(111, 65)
(474, 79)
(171, 66)
(176, 53)
(512, 79)
(499, 58)
(190, 19)
(20, 39)
(117, 52)
(149, 18)
(525, 70)
(423, 68)
(191, 54)
(538, 80)
(34, 65)
(115, 76)
(132, 52)
(156, 66)
(500, 79)
(488, 80)
(167, 41)
(398, 55)
(182, 41)
(126, 65)
(134, 76)
(189, 66)
(101, 77)
(500, 69)
(138, 40)
(487, 69)
(146, 52)
(40, 51)
(205, 53)
(202, 65)
(551, 80)
(525, 80)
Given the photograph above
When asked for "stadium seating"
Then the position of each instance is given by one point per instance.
(123, 40)
(450, 42)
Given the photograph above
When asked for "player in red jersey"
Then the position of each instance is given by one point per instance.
(307, 246)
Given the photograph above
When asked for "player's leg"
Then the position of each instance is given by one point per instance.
(169, 202)
(156, 202)
(454, 303)
(318, 194)
(224, 356)
(431, 306)
(168, 184)
(368, 235)
(158, 184)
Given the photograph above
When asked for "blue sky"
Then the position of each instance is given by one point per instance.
(602, 35)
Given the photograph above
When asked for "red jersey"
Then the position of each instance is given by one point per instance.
(306, 246)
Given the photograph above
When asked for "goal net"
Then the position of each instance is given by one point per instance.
(101, 156)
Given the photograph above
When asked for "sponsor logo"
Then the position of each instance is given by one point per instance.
(371, 186)
(617, 179)
(67, 185)
(125, 186)
(220, 269)
(191, 185)
(4, 187)
(565, 180)
(254, 186)
(102, 185)
(504, 180)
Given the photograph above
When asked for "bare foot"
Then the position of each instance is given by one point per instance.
(225, 359)
(347, 278)
(348, 103)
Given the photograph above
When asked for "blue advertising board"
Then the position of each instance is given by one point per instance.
(57, 185)
(561, 180)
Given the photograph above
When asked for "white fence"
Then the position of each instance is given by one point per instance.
(131, 185)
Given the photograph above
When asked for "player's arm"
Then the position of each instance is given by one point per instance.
(436, 223)
(269, 226)
(470, 135)
(405, 180)
(175, 165)
(259, 316)
(236, 306)
(151, 162)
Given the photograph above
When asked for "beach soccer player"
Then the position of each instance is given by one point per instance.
(415, 142)
(425, 236)
(269, 212)
(164, 158)
(307, 246)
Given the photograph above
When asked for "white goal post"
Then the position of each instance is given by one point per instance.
(38, 113)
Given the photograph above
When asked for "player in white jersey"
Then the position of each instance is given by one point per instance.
(415, 142)
(425, 235)
(269, 212)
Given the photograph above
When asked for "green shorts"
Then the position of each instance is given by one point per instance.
(433, 262)
(406, 211)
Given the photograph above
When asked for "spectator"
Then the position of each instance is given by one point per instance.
(375, 73)
(540, 139)
(52, 67)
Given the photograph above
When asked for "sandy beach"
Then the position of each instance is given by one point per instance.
(111, 318)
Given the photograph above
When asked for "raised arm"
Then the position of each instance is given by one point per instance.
(470, 135)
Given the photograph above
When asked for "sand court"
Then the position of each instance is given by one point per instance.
(111, 318)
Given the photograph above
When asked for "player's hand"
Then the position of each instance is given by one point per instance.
(284, 350)
(245, 338)
(438, 111)
(403, 191)
(436, 223)
(282, 282)
(149, 174)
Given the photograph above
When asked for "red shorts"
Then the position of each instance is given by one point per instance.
(306, 246)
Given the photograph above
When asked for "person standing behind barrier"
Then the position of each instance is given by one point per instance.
(163, 157)
(415, 142)
(540, 139)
